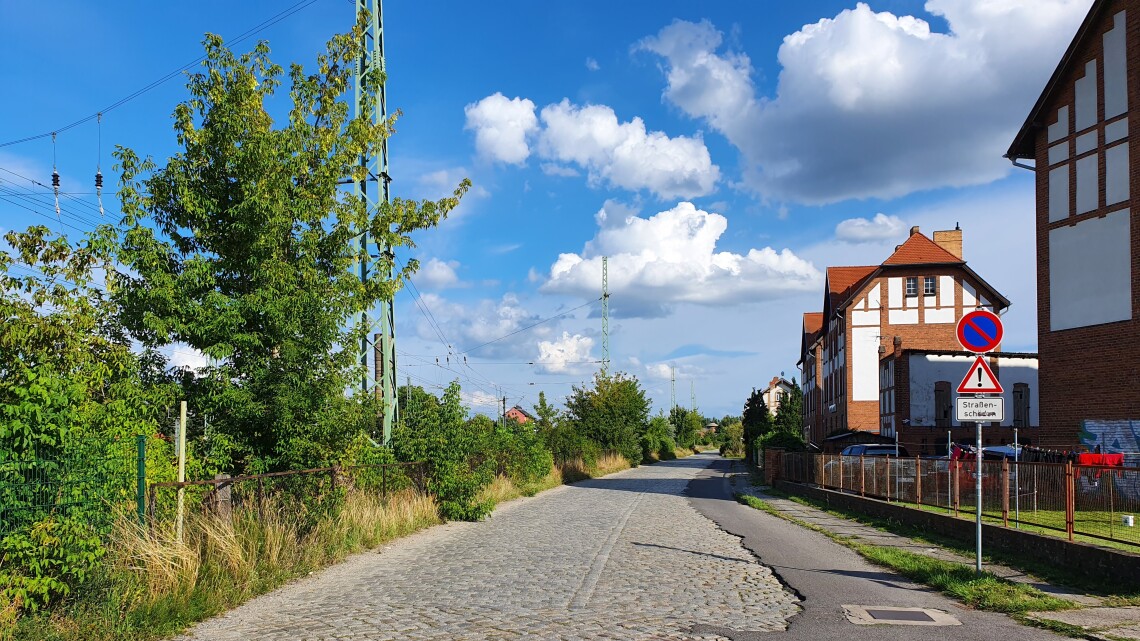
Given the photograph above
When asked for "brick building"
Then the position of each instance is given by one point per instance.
(917, 388)
(912, 300)
(520, 415)
(1088, 241)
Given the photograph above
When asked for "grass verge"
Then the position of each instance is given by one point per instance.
(1027, 562)
(154, 586)
(576, 470)
(985, 592)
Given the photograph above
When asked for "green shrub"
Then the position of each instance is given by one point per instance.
(459, 465)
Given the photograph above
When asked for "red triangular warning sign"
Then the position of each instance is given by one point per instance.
(980, 380)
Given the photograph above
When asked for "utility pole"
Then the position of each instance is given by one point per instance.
(376, 170)
(672, 394)
(692, 398)
(605, 314)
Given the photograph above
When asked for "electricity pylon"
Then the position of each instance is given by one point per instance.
(376, 170)
(605, 315)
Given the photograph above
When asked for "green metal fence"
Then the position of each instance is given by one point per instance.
(91, 481)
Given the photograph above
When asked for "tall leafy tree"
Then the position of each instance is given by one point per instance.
(242, 245)
(614, 413)
(757, 421)
(789, 414)
(545, 413)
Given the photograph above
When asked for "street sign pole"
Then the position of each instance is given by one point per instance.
(978, 503)
(980, 331)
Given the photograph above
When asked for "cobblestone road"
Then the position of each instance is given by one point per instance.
(621, 557)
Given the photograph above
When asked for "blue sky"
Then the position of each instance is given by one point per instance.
(722, 154)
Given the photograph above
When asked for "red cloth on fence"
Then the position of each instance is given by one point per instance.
(1089, 458)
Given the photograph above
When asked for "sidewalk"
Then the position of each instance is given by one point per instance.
(1093, 619)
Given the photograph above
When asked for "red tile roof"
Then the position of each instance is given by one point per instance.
(920, 250)
(813, 322)
(842, 281)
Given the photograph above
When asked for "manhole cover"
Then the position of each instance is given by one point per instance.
(900, 615)
(886, 615)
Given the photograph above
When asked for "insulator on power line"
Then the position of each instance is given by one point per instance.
(99, 190)
(55, 188)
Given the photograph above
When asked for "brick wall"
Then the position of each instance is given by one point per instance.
(1089, 372)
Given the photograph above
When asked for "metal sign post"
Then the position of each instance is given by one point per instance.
(979, 331)
(978, 504)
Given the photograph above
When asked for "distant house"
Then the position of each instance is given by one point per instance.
(777, 387)
(520, 415)
(911, 301)
(1078, 136)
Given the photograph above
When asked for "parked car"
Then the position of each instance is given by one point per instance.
(873, 450)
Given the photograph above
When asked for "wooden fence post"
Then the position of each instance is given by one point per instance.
(918, 480)
(1070, 500)
(957, 479)
(1005, 491)
(862, 476)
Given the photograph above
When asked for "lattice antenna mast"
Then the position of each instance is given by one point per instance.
(672, 390)
(605, 314)
(376, 170)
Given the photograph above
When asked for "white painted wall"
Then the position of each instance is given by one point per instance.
(1090, 272)
(903, 316)
(1060, 127)
(895, 292)
(928, 369)
(1116, 174)
(1088, 183)
(1115, 68)
(874, 297)
(865, 363)
(946, 290)
(1086, 97)
(1059, 193)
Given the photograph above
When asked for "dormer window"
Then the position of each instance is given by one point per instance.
(929, 286)
(912, 285)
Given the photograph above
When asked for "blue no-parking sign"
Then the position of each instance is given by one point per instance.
(980, 331)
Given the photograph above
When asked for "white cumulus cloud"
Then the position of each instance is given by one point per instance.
(670, 258)
(487, 328)
(625, 154)
(437, 274)
(590, 138)
(567, 354)
(870, 104)
(501, 127)
(863, 230)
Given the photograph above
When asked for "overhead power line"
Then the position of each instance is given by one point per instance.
(532, 326)
(269, 22)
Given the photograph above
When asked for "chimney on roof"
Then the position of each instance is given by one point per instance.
(950, 240)
(914, 230)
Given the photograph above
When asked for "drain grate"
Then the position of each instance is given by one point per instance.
(886, 615)
(900, 615)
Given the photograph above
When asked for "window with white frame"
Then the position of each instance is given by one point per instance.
(929, 286)
(912, 285)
